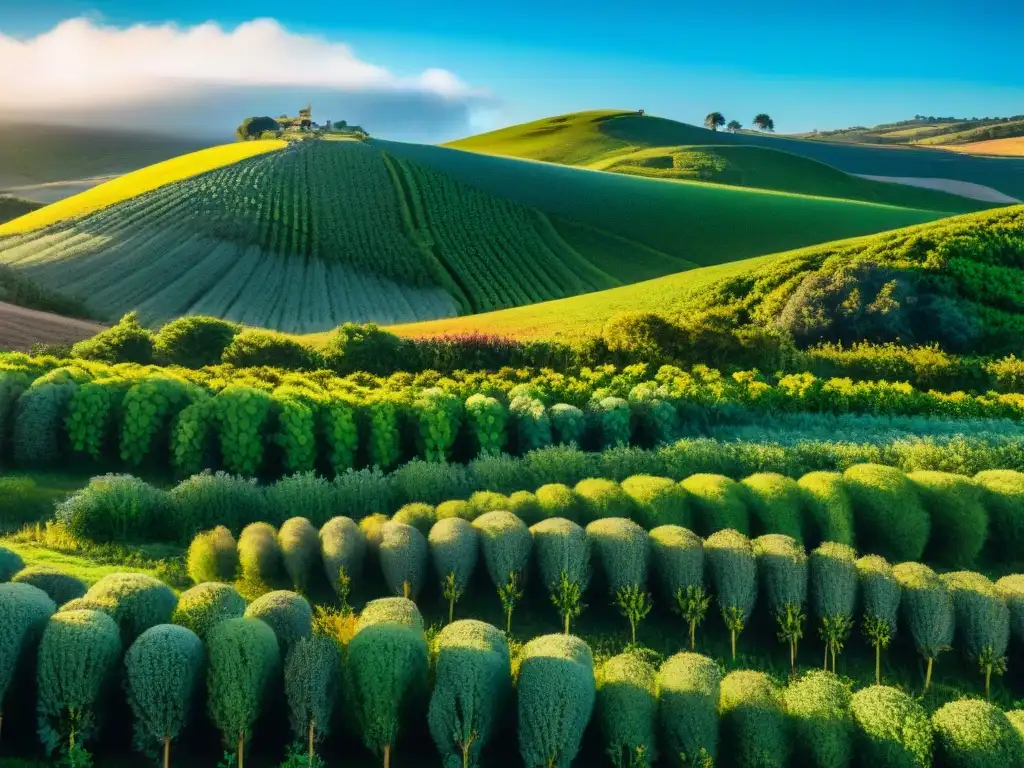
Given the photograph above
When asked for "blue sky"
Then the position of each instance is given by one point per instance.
(809, 64)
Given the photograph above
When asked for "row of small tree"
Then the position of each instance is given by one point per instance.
(716, 120)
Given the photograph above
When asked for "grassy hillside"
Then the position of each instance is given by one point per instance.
(12, 207)
(959, 281)
(1000, 147)
(596, 138)
(927, 131)
(38, 154)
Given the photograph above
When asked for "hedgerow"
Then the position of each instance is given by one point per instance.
(733, 567)
(148, 409)
(135, 601)
(78, 653)
(193, 341)
(260, 560)
(888, 516)
(818, 708)
(286, 613)
(827, 507)
(302, 495)
(971, 733)
(1004, 502)
(927, 611)
(403, 559)
(438, 415)
(555, 692)
(163, 675)
(212, 556)
(688, 690)
(472, 687)
(626, 710)
(982, 621)
(775, 504)
(39, 413)
(24, 613)
(342, 547)
(209, 499)
(719, 502)
(92, 415)
(657, 501)
(959, 522)
(204, 606)
(118, 508)
(753, 723)
(454, 548)
(300, 549)
(312, 680)
(295, 434)
(58, 586)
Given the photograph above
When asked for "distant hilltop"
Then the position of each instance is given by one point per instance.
(927, 131)
(284, 127)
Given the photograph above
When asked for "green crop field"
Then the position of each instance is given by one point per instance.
(585, 138)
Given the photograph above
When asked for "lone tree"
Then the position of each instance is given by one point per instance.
(253, 127)
(764, 123)
(714, 121)
(734, 126)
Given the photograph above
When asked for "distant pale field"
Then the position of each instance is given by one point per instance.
(1006, 147)
(139, 182)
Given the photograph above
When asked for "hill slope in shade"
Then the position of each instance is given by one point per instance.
(586, 138)
(13, 207)
(958, 281)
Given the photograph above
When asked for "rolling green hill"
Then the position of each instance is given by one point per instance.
(959, 281)
(596, 139)
(307, 235)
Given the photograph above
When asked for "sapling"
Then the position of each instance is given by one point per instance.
(343, 588)
(510, 593)
(834, 630)
(634, 603)
(452, 593)
(791, 629)
(692, 604)
(568, 598)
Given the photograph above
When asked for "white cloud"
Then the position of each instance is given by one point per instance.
(80, 63)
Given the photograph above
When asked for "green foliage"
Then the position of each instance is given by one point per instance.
(454, 548)
(395, 610)
(626, 710)
(58, 585)
(880, 591)
(678, 557)
(622, 550)
(688, 690)
(505, 542)
(603, 498)
(125, 342)
(568, 424)
(417, 514)
(959, 522)
(643, 336)
(1012, 590)
(827, 508)
(658, 501)
(148, 411)
(487, 418)
(297, 415)
(752, 720)
(558, 500)
(613, 418)
(1004, 501)
(719, 503)
(982, 621)
(974, 734)
(532, 425)
(193, 436)
(163, 675)
(204, 606)
(731, 560)
(384, 440)
(888, 514)
(892, 728)
(252, 348)
(525, 506)
(927, 610)
(305, 494)
(776, 505)
(385, 677)
(354, 347)
(338, 422)
(260, 560)
(134, 600)
(312, 678)
(243, 662)
(38, 415)
(213, 556)
(834, 579)
(92, 415)
(117, 508)
(10, 564)
(472, 687)
(438, 415)
(241, 412)
(403, 559)
(818, 708)
(429, 481)
(372, 528)
(782, 576)
(490, 501)
(342, 546)
(300, 548)
(193, 341)
(209, 499)
(561, 546)
(78, 653)
(459, 508)
(287, 614)
(24, 612)
(555, 692)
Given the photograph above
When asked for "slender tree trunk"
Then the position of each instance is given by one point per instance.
(406, 590)
(387, 756)
(632, 631)
(878, 663)
(732, 633)
(167, 752)
(508, 622)
(792, 658)
(312, 724)
(451, 610)
(988, 680)
(567, 623)
(241, 749)
(465, 756)
(826, 657)
(833, 661)
(928, 675)
(693, 631)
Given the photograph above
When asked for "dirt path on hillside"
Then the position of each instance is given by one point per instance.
(20, 328)
(952, 186)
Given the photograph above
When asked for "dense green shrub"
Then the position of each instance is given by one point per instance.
(254, 348)
(10, 564)
(93, 414)
(505, 543)
(163, 675)
(489, 501)
(688, 689)
(342, 546)
(1016, 718)
(312, 677)
(558, 500)
(212, 556)
(525, 506)
(927, 611)
(193, 341)
(472, 687)
(396, 610)
(776, 505)
(834, 578)
(148, 412)
(752, 721)
(613, 419)
(568, 424)
(338, 423)
(438, 415)
(126, 342)
(39, 413)
(626, 710)
(77, 657)
(622, 551)
(58, 586)
(304, 494)
(719, 503)
(531, 423)
(828, 510)
(818, 708)
(300, 548)
(560, 549)
(733, 567)
(880, 596)
(194, 436)
(420, 516)
(959, 520)
(604, 498)
(974, 734)
(403, 559)
(454, 548)
(243, 662)
(384, 448)
(117, 508)
(487, 417)
(1012, 590)
(385, 676)
(206, 605)
(982, 620)
(24, 612)
(459, 508)
(286, 613)
(892, 728)
(366, 347)
(658, 501)
(678, 558)
(888, 515)
(241, 413)
(135, 601)
(372, 528)
(295, 432)
(209, 499)
(555, 687)
(1004, 502)
(260, 560)
(782, 578)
